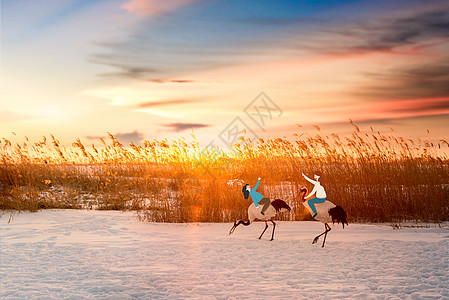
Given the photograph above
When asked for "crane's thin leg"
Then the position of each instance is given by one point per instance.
(326, 230)
(233, 228)
(266, 226)
(325, 235)
(318, 236)
(274, 227)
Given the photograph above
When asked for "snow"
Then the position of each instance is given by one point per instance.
(79, 254)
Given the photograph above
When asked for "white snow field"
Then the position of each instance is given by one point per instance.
(79, 254)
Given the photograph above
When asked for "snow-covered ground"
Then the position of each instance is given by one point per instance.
(79, 254)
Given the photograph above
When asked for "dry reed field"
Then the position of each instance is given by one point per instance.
(375, 177)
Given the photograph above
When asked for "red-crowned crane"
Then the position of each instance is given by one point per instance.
(254, 213)
(326, 212)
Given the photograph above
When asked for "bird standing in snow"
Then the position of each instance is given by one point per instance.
(325, 212)
(255, 211)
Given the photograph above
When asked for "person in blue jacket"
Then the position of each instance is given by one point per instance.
(256, 196)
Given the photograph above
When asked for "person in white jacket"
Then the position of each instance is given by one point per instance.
(318, 190)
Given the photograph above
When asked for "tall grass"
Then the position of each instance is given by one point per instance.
(374, 176)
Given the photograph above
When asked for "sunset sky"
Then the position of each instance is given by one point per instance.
(144, 69)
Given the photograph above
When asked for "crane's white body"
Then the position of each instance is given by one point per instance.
(322, 211)
(254, 213)
(326, 212)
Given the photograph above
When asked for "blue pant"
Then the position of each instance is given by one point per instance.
(312, 201)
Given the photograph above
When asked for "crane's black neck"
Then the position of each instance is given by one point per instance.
(243, 223)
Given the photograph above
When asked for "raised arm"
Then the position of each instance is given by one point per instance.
(257, 185)
(309, 180)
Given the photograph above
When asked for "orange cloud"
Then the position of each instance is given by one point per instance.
(154, 7)
(381, 110)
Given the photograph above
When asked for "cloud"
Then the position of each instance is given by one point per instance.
(140, 57)
(168, 49)
(94, 137)
(360, 31)
(120, 60)
(411, 123)
(423, 107)
(171, 81)
(376, 111)
(411, 82)
(182, 42)
(172, 46)
(388, 33)
(184, 126)
(10, 116)
(125, 138)
(154, 7)
(396, 109)
(166, 102)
